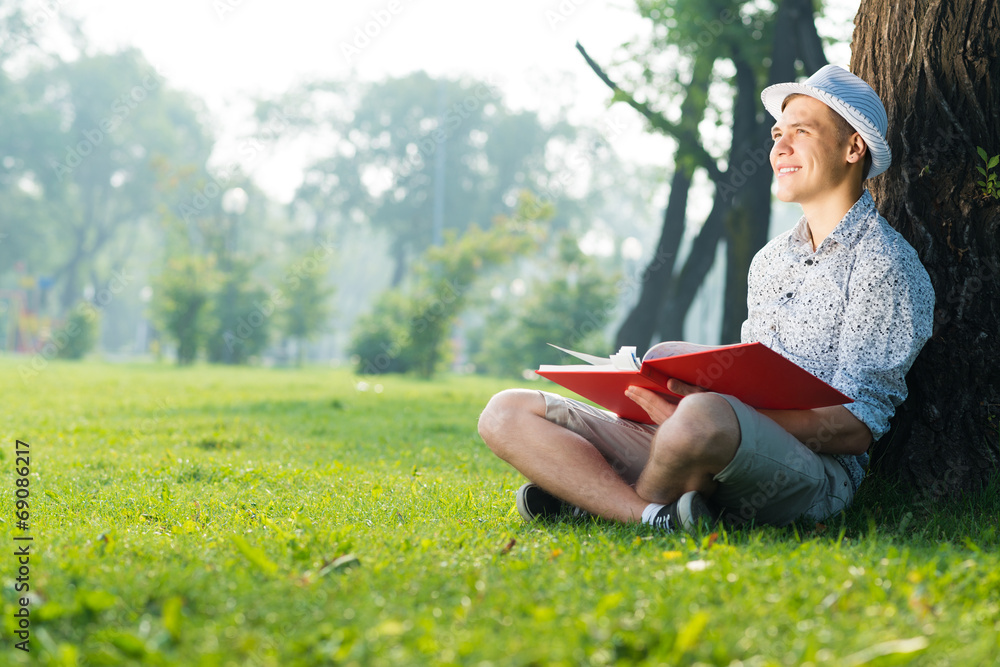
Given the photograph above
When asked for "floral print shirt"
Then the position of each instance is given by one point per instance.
(855, 312)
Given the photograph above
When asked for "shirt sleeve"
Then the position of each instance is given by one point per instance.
(888, 318)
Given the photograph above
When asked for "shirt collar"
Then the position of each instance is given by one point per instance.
(850, 228)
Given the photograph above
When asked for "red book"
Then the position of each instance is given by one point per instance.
(751, 372)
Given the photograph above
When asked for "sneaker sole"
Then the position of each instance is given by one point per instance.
(691, 508)
(563, 509)
(522, 507)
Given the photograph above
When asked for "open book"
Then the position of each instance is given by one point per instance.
(751, 372)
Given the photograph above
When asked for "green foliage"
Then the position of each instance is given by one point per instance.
(79, 334)
(306, 304)
(381, 337)
(181, 298)
(408, 328)
(241, 314)
(570, 308)
(250, 516)
(691, 35)
(102, 143)
(395, 132)
(989, 183)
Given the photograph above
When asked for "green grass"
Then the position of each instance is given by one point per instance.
(269, 517)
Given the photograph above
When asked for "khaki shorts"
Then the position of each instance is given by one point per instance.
(773, 478)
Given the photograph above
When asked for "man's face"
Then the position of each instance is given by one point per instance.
(808, 158)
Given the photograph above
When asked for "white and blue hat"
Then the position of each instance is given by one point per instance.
(850, 97)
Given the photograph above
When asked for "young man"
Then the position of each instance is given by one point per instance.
(842, 294)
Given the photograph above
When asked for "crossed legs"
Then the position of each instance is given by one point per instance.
(684, 454)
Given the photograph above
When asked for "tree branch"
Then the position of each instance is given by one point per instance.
(809, 43)
(690, 143)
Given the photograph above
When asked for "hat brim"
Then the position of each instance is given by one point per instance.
(774, 96)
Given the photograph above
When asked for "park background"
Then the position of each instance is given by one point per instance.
(262, 264)
(244, 109)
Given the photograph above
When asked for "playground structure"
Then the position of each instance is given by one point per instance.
(22, 327)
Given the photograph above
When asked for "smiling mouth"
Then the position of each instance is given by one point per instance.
(788, 170)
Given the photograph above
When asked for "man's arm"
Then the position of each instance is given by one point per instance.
(830, 430)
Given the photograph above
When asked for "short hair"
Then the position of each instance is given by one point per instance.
(844, 132)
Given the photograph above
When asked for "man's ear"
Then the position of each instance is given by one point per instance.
(856, 149)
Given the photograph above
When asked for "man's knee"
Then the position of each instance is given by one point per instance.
(505, 410)
(703, 431)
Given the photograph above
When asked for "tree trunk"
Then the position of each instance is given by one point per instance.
(935, 67)
(809, 43)
(640, 326)
(699, 262)
(398, 253)
(749, 178)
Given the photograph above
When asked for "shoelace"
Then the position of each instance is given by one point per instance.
(662, 520)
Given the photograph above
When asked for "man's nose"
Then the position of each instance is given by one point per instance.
(781, 146)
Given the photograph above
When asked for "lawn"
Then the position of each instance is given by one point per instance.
(251, 516)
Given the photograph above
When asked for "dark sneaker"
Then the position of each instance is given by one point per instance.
(685, 514)
(534, 501)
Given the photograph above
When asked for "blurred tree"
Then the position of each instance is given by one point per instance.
(28, 128)
(95, 139)
(935, 66)
(29, 220)
(417, 156)
(181, 298)
(21, 21)
(77, 337)
(380, 342)
(224, 221)
(719, 55)
(409, 326)
(306, 302)
(240, 313)
(569, 306)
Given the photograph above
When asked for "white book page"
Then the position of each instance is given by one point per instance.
(589, 358)
(624, 359)
(577, 368)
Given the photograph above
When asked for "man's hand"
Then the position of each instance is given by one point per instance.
(656, 406)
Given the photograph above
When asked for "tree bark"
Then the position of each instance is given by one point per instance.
(934, 65)
(640, 324)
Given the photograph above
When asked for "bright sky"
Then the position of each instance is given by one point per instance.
(229, 51)
(217, 47)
